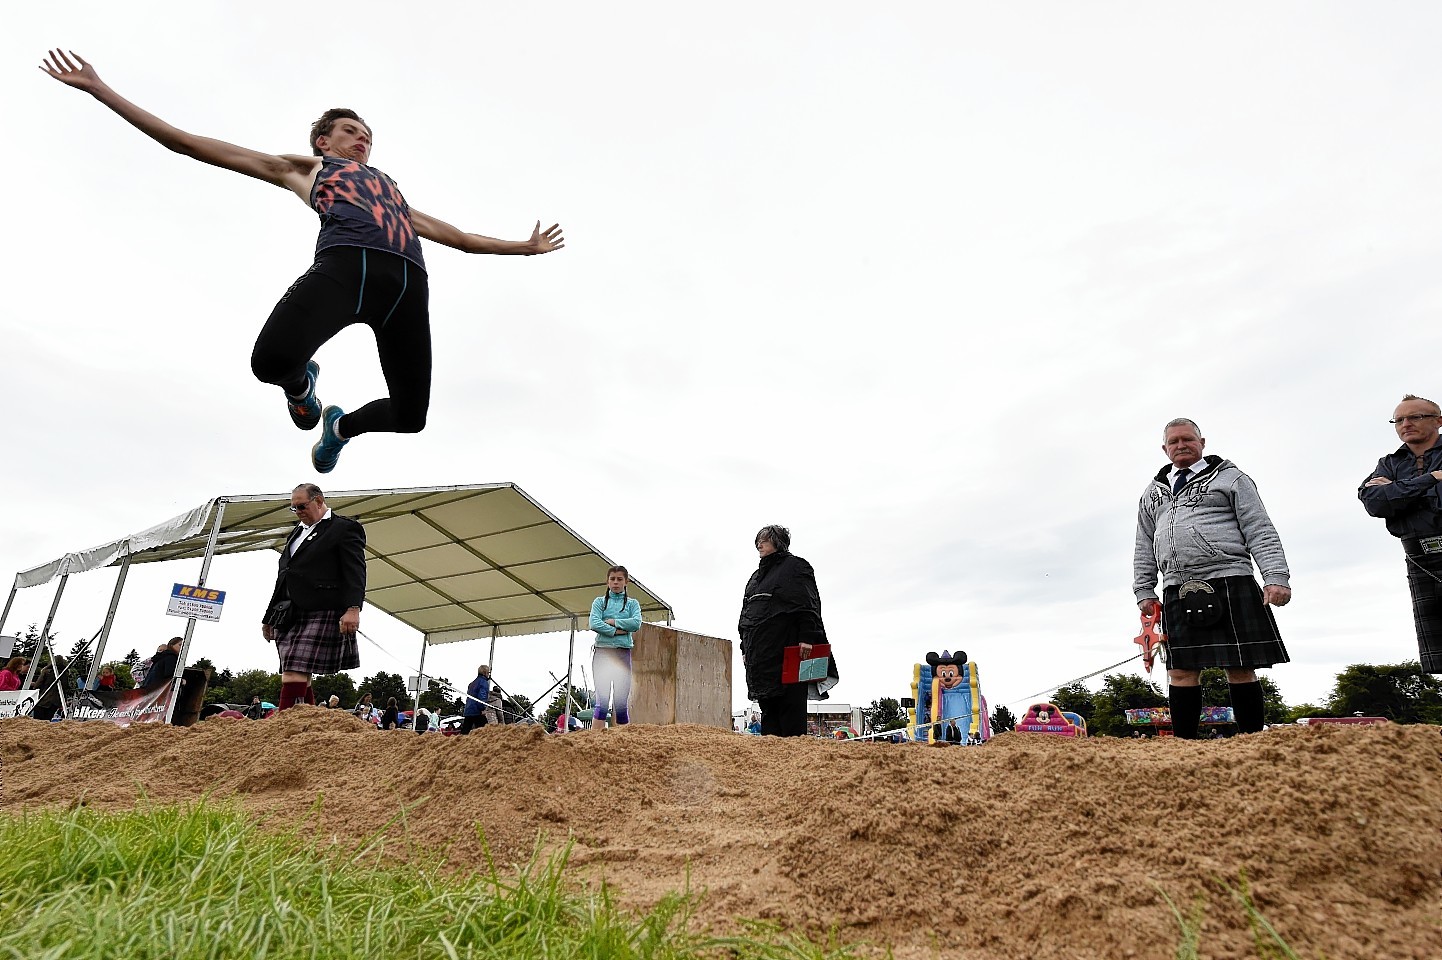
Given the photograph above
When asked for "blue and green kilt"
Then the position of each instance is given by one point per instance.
(313, 644)
(1244, 638)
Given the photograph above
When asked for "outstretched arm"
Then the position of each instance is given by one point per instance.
(542, 241)
(293, 173)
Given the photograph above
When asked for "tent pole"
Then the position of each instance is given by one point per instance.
(421, 685)
(109, 620)
(175, 678)
(45, 633)
(570, 661)
(492, 660)
(16, 586)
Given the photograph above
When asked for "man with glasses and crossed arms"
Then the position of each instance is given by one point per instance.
(314, 612)
(1404, 490)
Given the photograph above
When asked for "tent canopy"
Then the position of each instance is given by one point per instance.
(455, 563)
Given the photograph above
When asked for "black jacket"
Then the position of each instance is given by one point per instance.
(780, 608)
(328, 572)
(162, 669)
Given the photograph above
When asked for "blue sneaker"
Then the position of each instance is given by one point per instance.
(326, 452)
(305, 412)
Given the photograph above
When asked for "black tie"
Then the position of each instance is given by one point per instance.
(1183, 475)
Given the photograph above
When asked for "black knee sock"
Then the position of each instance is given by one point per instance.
(1186, 711)
(1248, 706)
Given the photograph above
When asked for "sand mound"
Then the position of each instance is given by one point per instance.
(1030, 846)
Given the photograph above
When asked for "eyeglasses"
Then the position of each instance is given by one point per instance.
(1415, 418)
(293, 508)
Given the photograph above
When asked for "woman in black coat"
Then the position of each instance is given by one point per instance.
(781, 608)
(391, 719)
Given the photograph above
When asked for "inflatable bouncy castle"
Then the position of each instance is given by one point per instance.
(1049, 718)
(946, 688)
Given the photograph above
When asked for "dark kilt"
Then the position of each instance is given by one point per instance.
(313, 644)
(1245, 637)
(1422, 573)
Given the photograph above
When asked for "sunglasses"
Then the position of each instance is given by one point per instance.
(297, 509)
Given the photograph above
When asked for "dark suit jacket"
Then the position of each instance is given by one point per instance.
(328, 572)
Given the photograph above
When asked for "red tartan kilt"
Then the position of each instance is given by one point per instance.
(313, 644)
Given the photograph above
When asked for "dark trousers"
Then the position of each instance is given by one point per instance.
(349, 285)
(472, 722)
(785, 715)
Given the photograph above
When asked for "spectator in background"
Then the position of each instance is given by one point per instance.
(473, 715)
(952, 732)
(256, 710)
(421, 720)
(364, 707)
(13, 675)
(49, 702)
(333, 703)
(105, 683)
(391, 719)
(163, 664)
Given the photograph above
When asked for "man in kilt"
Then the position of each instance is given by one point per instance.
(314, 612)
(1406, 491)
(1201, 524)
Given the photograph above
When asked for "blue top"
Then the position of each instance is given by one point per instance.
(361, 207)
(476, 696)
(627, 616)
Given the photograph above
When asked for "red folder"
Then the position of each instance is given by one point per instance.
(791, 662)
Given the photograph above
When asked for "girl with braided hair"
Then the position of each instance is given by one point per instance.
(615, 617)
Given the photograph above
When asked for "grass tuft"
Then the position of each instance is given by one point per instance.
(205, 881)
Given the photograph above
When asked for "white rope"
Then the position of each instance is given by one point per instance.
(1032, 699)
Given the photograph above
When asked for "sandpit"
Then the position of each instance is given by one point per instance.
(1030, 846)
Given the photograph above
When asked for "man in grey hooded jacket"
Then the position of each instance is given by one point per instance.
(1201, 524)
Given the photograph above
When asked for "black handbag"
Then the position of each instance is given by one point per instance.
(280, 615)
(1201, 607)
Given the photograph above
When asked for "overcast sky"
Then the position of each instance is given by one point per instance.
(922, 284)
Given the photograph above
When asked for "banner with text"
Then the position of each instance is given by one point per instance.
(121, 708)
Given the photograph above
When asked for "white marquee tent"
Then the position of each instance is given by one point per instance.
(455, 563)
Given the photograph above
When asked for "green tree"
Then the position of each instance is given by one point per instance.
(335, 684)
(1075, 698)
(1002, 720)
(132, 658)
(515, 708)
(1119, 693)
(1305, 710)
(252, 683)
(1401, 692)
(434, 699)
(27, 642)
(383, 686)
(885, 714)
(1274, 708)
(80, 659)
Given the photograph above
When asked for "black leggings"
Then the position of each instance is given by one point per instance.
(349, 285)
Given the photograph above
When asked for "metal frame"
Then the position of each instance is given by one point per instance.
(258, 534)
